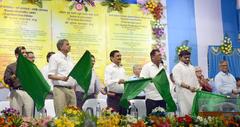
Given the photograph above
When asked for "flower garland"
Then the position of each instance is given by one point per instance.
(151, 6)
(159, 34)
(115, 5)
(80, 4)
(156, 8)
(226, 47)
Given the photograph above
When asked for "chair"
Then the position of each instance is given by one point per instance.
(4, 104)
(141, 106)
(49, 105)
(101, 96)
(92, 103)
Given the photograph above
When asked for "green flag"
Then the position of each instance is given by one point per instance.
(162, 85)
(32, 81)
(82, 71)
(209, 102)
(132, 89)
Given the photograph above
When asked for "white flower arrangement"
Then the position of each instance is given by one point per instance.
(131, 119)
(158, 109)
(226, 47)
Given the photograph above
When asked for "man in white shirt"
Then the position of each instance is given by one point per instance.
(224, 81)
(114, 79)
(150, 70)
(186, 81)
(60, 65)
(94, 88)
(44, 70)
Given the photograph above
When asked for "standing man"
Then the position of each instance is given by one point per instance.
(114, 79)
(93, 90)
(224, 81)
(44, 70)
(30, 56)
(186, 81)
(19, 99)
(150, 70)
(60, 65)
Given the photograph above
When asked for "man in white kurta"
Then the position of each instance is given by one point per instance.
(186, 81)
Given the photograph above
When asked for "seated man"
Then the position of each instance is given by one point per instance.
(136, 71)
(224, 81)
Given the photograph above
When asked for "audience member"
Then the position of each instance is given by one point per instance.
(224, 81)
(202, 81)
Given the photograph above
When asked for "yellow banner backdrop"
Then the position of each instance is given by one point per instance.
(38, 29)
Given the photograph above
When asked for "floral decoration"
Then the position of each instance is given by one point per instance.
(10, 117)
(73, 117)
(37, 2)
(10, 112)
(108, 118)
(158, 111)
(151, 6)
(158, 33)
(115, 5)
(183, 47)
(81, 4)
(226, 47)
(128, 120)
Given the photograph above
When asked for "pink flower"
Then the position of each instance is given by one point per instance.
(161, 50)
(78, 6)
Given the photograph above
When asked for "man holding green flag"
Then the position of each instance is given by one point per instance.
(19, 98)
(155, 83)
(153, 98)
(88, 83)
(60, 65)
(36, 86)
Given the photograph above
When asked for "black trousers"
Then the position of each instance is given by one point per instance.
(113, 102)
(151, 104)
(81, 99)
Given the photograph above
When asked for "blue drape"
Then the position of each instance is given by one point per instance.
(215, 56)
(234, 62)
